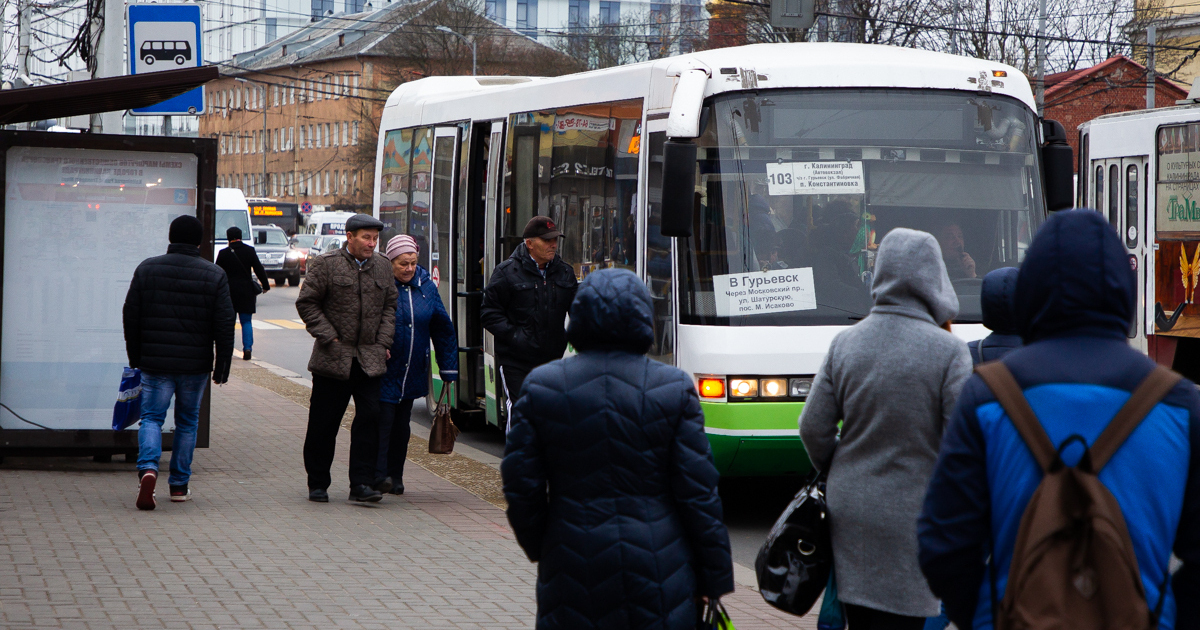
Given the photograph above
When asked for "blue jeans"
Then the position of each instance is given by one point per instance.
(157, 389)
(247, 330)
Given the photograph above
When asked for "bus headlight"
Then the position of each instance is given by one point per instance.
(712, 387)
(773, 387)
(743, 387)
(799, 387)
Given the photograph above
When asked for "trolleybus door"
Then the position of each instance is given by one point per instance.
(491, 183)
(441, 229)
(1118, 191)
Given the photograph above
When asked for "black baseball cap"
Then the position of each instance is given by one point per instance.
(541, 227)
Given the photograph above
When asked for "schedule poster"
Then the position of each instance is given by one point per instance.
(77, 223)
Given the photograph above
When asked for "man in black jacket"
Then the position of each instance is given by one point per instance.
(525, 306)
(238, 260)
(177, 307)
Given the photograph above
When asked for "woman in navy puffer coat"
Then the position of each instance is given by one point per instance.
(420, 315)
(608, 478)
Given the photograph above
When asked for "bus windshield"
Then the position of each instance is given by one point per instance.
(796, 188)
(226, 219)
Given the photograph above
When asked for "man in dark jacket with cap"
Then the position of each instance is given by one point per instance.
(996, 301)
(1075, 299)
(348, 304)
(238, 260)
(525, 306)
(177, 308)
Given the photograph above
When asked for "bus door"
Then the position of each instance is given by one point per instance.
(441, 229)
(1119, 187)
(486, 191)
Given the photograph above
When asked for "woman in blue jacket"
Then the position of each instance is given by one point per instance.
(608, 476)
(420, 315)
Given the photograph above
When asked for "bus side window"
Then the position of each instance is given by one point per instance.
(1114, 197)
(1098, 202)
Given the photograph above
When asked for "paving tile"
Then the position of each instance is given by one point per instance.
(250, 551)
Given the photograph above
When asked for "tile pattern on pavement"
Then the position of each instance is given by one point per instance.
(251, 552)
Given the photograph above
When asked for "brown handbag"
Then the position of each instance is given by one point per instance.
(443, 432)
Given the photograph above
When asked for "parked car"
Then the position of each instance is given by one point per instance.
(325, 244)
(278, 257)
(302, 243)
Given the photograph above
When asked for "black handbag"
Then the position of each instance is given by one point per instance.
(255, 287)
(794, 563)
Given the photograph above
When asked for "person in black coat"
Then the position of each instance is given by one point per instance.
(176, 310)
(525, 306)
(996, 302)
(237, 260)
(608, 476)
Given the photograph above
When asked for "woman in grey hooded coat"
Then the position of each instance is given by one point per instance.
(892, 381)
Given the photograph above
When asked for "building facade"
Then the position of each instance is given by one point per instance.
(297, 119)
(1116, 85)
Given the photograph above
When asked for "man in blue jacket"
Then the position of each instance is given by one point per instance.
(1075, 300)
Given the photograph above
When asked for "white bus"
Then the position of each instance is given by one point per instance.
(231, 211)
(1136, 169)
(786, 164)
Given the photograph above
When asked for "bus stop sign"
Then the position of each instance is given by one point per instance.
(166, 37)
(798, 14)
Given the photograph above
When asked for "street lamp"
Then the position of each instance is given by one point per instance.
(470, 41)
(262, 191)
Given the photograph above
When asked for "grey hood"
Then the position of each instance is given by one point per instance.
(910, 278)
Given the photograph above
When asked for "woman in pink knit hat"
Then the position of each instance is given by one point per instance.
(420, 315)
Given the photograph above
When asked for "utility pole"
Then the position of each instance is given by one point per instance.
(1151, 35)
(1041, 58)
(109, 45)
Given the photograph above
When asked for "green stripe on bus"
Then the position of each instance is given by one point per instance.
(750, 415)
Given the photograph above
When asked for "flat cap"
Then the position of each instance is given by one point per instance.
(363, 222)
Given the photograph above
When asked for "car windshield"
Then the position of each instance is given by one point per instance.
(306, 240)
(270, 237)
(796, 189)
(231, 218)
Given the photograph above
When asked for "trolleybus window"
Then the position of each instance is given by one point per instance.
(1114, 198)
(797, 188)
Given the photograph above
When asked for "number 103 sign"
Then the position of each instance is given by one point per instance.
(815, 178)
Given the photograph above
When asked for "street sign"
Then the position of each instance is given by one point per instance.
(306, 207)
(799, 14)
(166, 37)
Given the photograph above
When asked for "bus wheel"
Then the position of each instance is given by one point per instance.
(179, 60)
(149, 60)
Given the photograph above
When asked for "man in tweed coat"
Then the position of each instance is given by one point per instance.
(348, 303)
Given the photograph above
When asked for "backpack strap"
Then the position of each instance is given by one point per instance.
(1000, 380)
(1149, 393)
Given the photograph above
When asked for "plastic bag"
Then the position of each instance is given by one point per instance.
(833, 614)
(128, 409)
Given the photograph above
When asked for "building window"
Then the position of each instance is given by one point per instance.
(275, 95)
(496, 10)
(272, 29)
(319, 7)
(355, 182)
(291, 137)
(610, 12)
(356, 85)
(527, 17)
(354, 138)
(577, 13)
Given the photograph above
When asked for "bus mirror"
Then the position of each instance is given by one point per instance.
(1058, 167)
(678, 188)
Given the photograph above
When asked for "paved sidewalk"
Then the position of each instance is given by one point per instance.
(250, 551)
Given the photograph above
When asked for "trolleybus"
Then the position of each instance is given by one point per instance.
(786, 164)
(1141, 169)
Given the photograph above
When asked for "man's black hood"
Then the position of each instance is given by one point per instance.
(1075, 280)
(996, 298)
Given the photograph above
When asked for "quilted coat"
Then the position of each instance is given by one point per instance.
(177, 309)
(356, 306)
(420, 315)
(608, 477)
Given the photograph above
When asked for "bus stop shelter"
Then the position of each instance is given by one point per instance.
(79, 212)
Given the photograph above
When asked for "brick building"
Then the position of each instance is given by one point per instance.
(297, 120)
(1115, 85)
